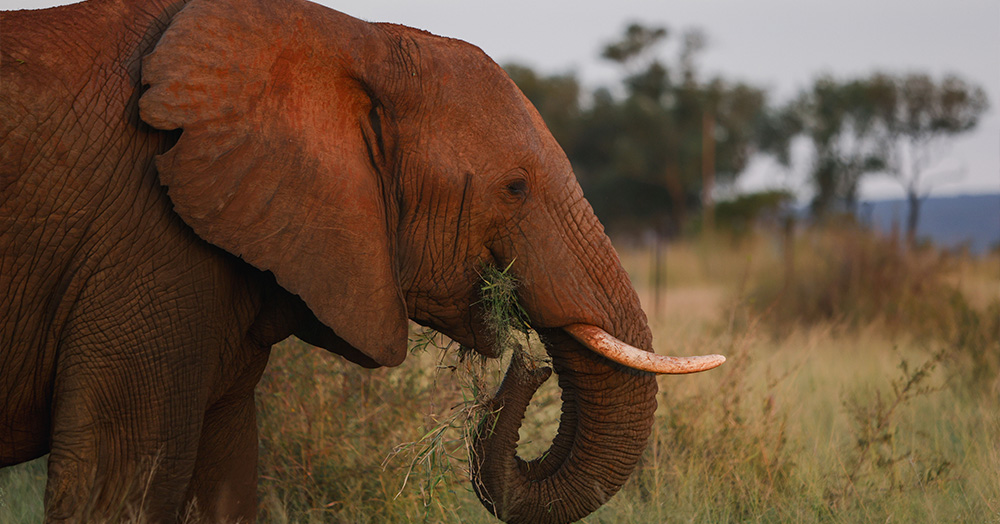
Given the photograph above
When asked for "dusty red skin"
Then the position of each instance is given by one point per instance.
(290, 170)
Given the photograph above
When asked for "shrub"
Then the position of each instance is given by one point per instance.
(853, 277)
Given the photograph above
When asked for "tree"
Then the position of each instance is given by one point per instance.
(654, 153)
(840, 121)
(637, 41)
(731, 124)
(678, 131)
(897, 125)
(919, 118)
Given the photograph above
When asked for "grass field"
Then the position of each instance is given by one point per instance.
(862, 386)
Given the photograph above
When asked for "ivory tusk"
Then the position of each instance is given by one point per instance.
(603, 343)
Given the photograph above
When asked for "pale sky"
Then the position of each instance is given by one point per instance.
(781, 45)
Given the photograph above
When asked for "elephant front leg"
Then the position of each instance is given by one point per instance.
(224, 483)
(120, 450)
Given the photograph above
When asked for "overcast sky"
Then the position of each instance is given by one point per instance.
(781, 45)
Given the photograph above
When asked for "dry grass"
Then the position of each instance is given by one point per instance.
(863, 389)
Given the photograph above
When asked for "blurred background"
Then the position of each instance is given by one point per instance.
(887, 110)
(811, 188)
(666, 108)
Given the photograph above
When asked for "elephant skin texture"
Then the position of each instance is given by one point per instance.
(185, 184)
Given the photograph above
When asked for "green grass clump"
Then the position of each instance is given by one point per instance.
(502, 312)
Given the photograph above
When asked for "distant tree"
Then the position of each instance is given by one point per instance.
(776, 129)
(897, 125)
(741, 214)
(919, 118)
(638, 134)
(677, 131)
(840, 119)
(637, 41)
(654, 153)
(731, 133)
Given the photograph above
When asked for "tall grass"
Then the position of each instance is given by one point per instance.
(862, 386)
(325, 437)
(881, 407)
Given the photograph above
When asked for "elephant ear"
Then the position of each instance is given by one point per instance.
(281, 158)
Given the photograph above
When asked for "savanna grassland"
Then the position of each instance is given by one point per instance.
(862, 386)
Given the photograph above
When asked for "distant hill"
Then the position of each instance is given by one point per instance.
(949, 222)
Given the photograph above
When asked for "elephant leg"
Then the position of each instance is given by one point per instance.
(120, 447)
(224, 483)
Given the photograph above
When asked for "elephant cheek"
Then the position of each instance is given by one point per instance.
(477, 334)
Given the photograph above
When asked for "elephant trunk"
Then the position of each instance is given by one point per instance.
(606, 418)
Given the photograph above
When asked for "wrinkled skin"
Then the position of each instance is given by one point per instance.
(289, 170)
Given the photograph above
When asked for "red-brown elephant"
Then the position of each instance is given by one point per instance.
(289, 170)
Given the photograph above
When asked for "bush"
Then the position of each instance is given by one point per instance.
(853, 277)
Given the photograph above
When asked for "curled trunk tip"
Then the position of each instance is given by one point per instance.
(494, 473)
(607, 414)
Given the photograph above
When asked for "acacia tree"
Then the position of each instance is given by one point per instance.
(654, 153)
(678, 131)
(919, 117)
(897, 125)
(840, 119)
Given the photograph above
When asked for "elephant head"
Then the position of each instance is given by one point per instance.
(375, 169)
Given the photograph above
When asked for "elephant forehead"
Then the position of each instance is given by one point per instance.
(487, 111)
(480, 140)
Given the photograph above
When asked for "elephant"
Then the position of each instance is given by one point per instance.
(186, 183)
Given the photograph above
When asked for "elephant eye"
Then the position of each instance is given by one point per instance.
(517, 187)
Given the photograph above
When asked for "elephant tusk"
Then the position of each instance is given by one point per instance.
(603, 343)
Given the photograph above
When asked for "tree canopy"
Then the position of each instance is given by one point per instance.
(641, 155)
(652, 149)
(881, 124)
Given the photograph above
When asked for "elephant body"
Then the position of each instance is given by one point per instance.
(288, 170)
(93, 260)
